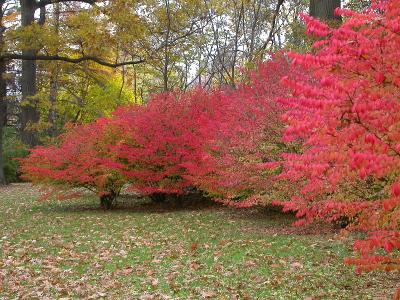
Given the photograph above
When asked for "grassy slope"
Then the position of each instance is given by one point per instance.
(151, 251)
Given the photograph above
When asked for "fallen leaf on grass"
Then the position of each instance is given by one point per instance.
(125, 271)
(250, 264)
(296, 265)
(194, 247)
(208, 294)
(195, 265)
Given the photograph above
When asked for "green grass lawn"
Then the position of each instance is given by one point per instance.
(142, 250)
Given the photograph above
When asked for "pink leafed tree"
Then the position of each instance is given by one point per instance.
(346, 115)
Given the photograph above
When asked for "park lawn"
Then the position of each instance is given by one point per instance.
(144, 250)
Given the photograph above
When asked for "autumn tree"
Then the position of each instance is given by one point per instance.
(240, 157)
(29, 110)
(18, 43)
(81, 159)
(346, 116)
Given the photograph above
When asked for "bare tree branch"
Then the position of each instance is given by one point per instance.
(43, 3)
(273, 24)
(70, 60)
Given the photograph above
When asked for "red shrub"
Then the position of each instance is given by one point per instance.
(347, 116)
(241, 157)
(163, 138)
(80, 160)
(224, 142)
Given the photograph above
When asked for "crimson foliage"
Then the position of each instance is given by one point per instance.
(217, 141)
(81, 159)
(240, 160)
(346, 114)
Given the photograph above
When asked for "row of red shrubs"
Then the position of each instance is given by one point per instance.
(317, 133)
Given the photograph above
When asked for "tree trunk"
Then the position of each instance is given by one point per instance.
(166, 50)
(3, 118)
(3, 111)
(52, 117)
(2, 175)
(29, 112)
(158, 197)
(324, 9)
(107, 201)
(3, 99)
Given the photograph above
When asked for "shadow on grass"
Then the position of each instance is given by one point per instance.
(133, 204)
(281, 223)
(263, 220)
(145, 205)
